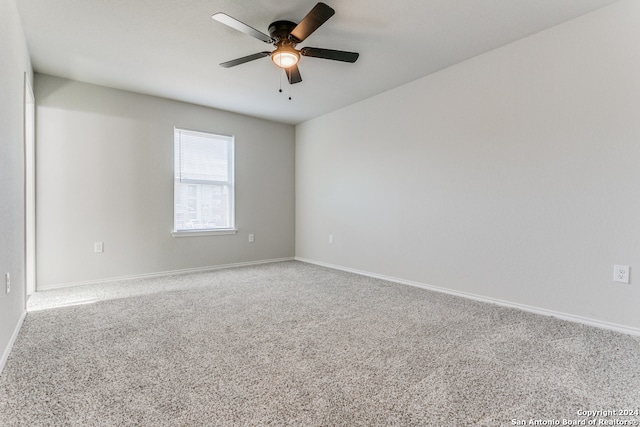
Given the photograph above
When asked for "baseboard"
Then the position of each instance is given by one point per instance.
(7, 350)
(537, 310)
(162, 274)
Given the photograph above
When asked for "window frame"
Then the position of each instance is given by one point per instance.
(230, 183)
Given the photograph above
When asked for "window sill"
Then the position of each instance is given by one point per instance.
(200, 233)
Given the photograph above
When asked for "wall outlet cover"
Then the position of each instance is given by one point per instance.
(621, 273)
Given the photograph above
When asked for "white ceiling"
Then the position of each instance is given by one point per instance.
(172, 48)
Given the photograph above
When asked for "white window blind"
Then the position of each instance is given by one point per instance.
(203, 181)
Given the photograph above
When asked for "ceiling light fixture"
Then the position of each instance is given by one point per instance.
(285, 36)
(285, 57)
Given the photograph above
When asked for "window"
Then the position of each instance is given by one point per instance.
(203, 183)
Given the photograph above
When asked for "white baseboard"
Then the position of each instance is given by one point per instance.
(537, 310)
(7, 350)
(161, 274)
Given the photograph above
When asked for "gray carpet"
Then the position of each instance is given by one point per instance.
(293, 344)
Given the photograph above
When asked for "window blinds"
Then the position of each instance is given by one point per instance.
(202, 157)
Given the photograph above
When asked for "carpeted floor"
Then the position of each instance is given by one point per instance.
(293, 344)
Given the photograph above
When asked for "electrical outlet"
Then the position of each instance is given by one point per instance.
(621, 273)
(251, 238)
(98, 247)
(7, 278)
(331, 238)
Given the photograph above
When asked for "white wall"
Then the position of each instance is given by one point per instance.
(512, 176)
(105, 173)
(15, 63)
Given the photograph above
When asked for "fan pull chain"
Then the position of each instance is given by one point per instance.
(280, 89)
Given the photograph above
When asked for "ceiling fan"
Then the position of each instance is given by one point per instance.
(285, 35)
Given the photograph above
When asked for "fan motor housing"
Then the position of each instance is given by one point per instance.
(280, 30)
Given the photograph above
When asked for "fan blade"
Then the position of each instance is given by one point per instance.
(241, 26)
(293, 74)
(335, 55)
(244, 59)
(316, 17)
